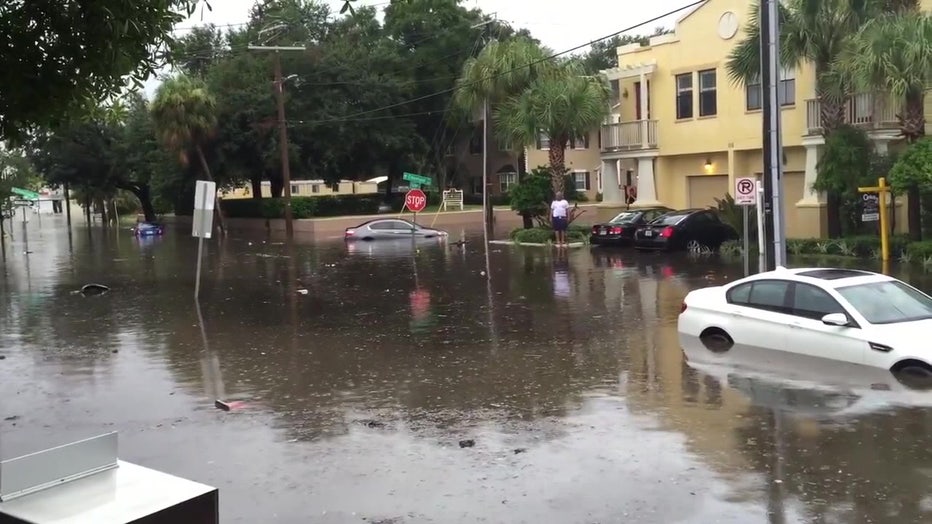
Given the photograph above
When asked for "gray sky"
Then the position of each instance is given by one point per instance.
(557, 23)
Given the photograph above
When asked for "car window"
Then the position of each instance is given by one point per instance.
(652, 215)
(625, 217)
(812, 302)
(888, 302)
(702, 218)
(380, 225)
(769, 295)
(398, 224)
(739, 294)
(668, 220)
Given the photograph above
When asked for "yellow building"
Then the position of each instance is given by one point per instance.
(681, 130)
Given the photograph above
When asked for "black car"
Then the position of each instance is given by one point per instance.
(619, 231)
(689, 229)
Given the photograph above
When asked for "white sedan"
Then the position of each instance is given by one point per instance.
(845, 315)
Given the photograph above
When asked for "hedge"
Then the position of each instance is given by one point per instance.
(320, 206)
(863, 246)
(543, 235)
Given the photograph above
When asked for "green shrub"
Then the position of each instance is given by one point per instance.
(305, 207)
(543, 235)
(919, 250)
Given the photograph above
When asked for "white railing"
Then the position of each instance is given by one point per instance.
(626, 136)
(864, 110)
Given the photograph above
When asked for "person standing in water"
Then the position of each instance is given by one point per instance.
(559, 211)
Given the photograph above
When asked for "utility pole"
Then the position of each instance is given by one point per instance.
(282, 128)
(487, 214)
(774, 224)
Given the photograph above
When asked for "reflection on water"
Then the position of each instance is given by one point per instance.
(563, 366)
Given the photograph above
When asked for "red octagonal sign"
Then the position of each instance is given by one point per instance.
(415, 200)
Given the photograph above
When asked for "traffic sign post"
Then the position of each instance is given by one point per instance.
(205, 194)
(882, 190)
(415, 201)
(416, 181)
(746, 196)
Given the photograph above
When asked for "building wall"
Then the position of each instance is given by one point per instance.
(584, 158)
(307, 188)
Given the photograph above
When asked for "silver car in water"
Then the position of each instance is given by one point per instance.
(390, 228)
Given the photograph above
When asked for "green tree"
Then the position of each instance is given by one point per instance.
(814, 31)
(893, 53)
(913, 168)
(845, 164)
(184, 114)
(563, 104)
(603, 54)
(61, 56)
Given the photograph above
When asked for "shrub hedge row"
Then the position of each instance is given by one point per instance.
(864, 246)
(543, 235)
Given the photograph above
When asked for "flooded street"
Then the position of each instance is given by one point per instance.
(407, 387)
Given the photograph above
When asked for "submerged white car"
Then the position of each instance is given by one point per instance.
(845, 315)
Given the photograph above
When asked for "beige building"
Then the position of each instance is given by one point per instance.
(308, 188)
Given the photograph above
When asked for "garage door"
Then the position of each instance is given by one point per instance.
(704, 189)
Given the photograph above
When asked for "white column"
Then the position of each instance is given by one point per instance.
(610, 191)
(642, 94)
(810, 197)
(647, 188)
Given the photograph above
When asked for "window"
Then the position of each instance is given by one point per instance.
(506, 180)
(769, 295)
(580, 142)
(888, 302)
(581, 179)
(403, 226)
(477, 185)
(475, 141)
(670, 219)
(708, 94)
(504, 146)
(380, 225)
(740, 294)
(543, 141)
(786, 90)
(684, 96)
(315, 188)
(812, 302)
(294, 189)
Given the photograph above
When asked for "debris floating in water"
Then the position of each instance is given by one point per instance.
(229, 406)
(468, 443)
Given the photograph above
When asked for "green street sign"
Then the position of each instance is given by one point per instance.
(417, 180)
(25, 193)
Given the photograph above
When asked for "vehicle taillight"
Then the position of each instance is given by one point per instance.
(667, 232)
(683, 307)
(617, 230)
(595, 230)
(350, 232)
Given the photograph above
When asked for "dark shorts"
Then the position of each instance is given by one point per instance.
(559, 223)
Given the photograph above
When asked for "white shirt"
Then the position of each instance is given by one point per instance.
(558, 208)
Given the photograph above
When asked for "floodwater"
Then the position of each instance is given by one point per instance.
(407, 387)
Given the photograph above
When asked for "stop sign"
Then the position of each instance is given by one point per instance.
(415, 200)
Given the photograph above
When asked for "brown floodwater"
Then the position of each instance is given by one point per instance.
(409, 386)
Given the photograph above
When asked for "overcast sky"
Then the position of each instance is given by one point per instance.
(557, 23)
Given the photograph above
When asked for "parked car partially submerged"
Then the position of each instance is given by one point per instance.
(690, 229)
(148, 229)
(845, 315)
(390, 228)
(619, 231)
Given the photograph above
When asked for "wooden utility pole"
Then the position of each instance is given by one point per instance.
(282, 129)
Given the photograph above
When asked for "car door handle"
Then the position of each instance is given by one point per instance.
(796, 325)
(736, 313)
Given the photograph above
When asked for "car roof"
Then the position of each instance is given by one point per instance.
(385, 219)
(823, 277)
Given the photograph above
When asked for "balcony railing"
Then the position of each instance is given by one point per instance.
(628, 136)
(864, 110)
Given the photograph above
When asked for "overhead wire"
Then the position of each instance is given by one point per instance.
(502, 73)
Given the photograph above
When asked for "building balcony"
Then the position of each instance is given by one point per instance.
(629, 136)
(864, 110)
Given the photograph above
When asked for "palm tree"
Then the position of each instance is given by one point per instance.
(815, 31)
(185, 118)
(563, 104)
(893, 53)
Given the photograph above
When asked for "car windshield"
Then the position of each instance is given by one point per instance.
(668, 220)
(625, 217)
(888, 302)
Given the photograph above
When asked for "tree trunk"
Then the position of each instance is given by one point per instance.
(913, 124)
(217, 210)
(144, 196)
(276, 186)
(526, 220)
(256, 182)
(103, 214)
(557, 157)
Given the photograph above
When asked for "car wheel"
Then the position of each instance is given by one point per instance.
(694, 246)
(913, 374)
(716, 340)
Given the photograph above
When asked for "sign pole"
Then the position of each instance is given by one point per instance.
(882, 190)
(205, 194)
(200, 253)
(747, 241)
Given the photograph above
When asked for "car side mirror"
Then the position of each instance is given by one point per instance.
(835, 319)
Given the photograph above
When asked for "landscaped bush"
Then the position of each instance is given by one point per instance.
(543, 235)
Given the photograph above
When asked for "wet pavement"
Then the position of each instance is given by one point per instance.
(407, 387)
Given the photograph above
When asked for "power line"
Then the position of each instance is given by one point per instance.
(502, 73)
